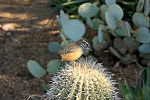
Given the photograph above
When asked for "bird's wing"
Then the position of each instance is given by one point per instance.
(69, 48)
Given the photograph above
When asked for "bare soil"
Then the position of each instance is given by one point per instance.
(30, 26)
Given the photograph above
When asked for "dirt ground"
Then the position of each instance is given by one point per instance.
(27, 26)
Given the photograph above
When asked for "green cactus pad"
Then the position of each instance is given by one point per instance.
(147, 7)
(143, 35)
(144, 48)
(97, 45)
(120, 45)
(116, 12)
(127, 59)
(103, 10)
(63, 44)
(110, 2)
(140, 5)
(74, 29)
(63, 18)
(123, 29)
(95, 39)
(96, 22)
(53, 66)
(82, 80)
(54, 47)
(113, 15)
(87, 10)
(110, 21)
(100, 34)
(140, 20)
(131, 43)
(35, 69)
(89, 22)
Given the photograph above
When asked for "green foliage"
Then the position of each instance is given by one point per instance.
(111, 26)
(100, 34)
(87, 10)
(63, 18)
(54, 47)
(141, 91)
(89, 22)
(35, 69)
(98, 46)
(140, 20)
(53, 66)
(74, 29)
(144, 48)
(65, 42)
(131, 43)
(123, 29)
(116, 12)
(143, 35)
(126, 92)
(69, 6)
(103, 9)
(96, 22)
(143, 5)
(110, 2)
(140, 5)
(110, 21)
(120, 46)
(113, 15)
(147, 7)
(128, 58)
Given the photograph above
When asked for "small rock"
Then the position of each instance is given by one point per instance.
(44, 22)
(8, 33)
(9, 26)
(16, 40)
(119, 78)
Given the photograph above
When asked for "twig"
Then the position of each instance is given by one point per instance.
(35, 95)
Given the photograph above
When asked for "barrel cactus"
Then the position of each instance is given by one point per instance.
(82, 80)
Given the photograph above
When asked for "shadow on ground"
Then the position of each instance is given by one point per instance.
(31, 25)
(27, 15)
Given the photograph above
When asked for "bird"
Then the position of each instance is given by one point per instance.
(74, 50)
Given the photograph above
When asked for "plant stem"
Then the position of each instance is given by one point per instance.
(63, 37)
(75, 2)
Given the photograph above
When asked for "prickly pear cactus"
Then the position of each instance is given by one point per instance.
(82, 80)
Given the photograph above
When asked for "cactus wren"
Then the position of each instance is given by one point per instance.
(74, 50)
